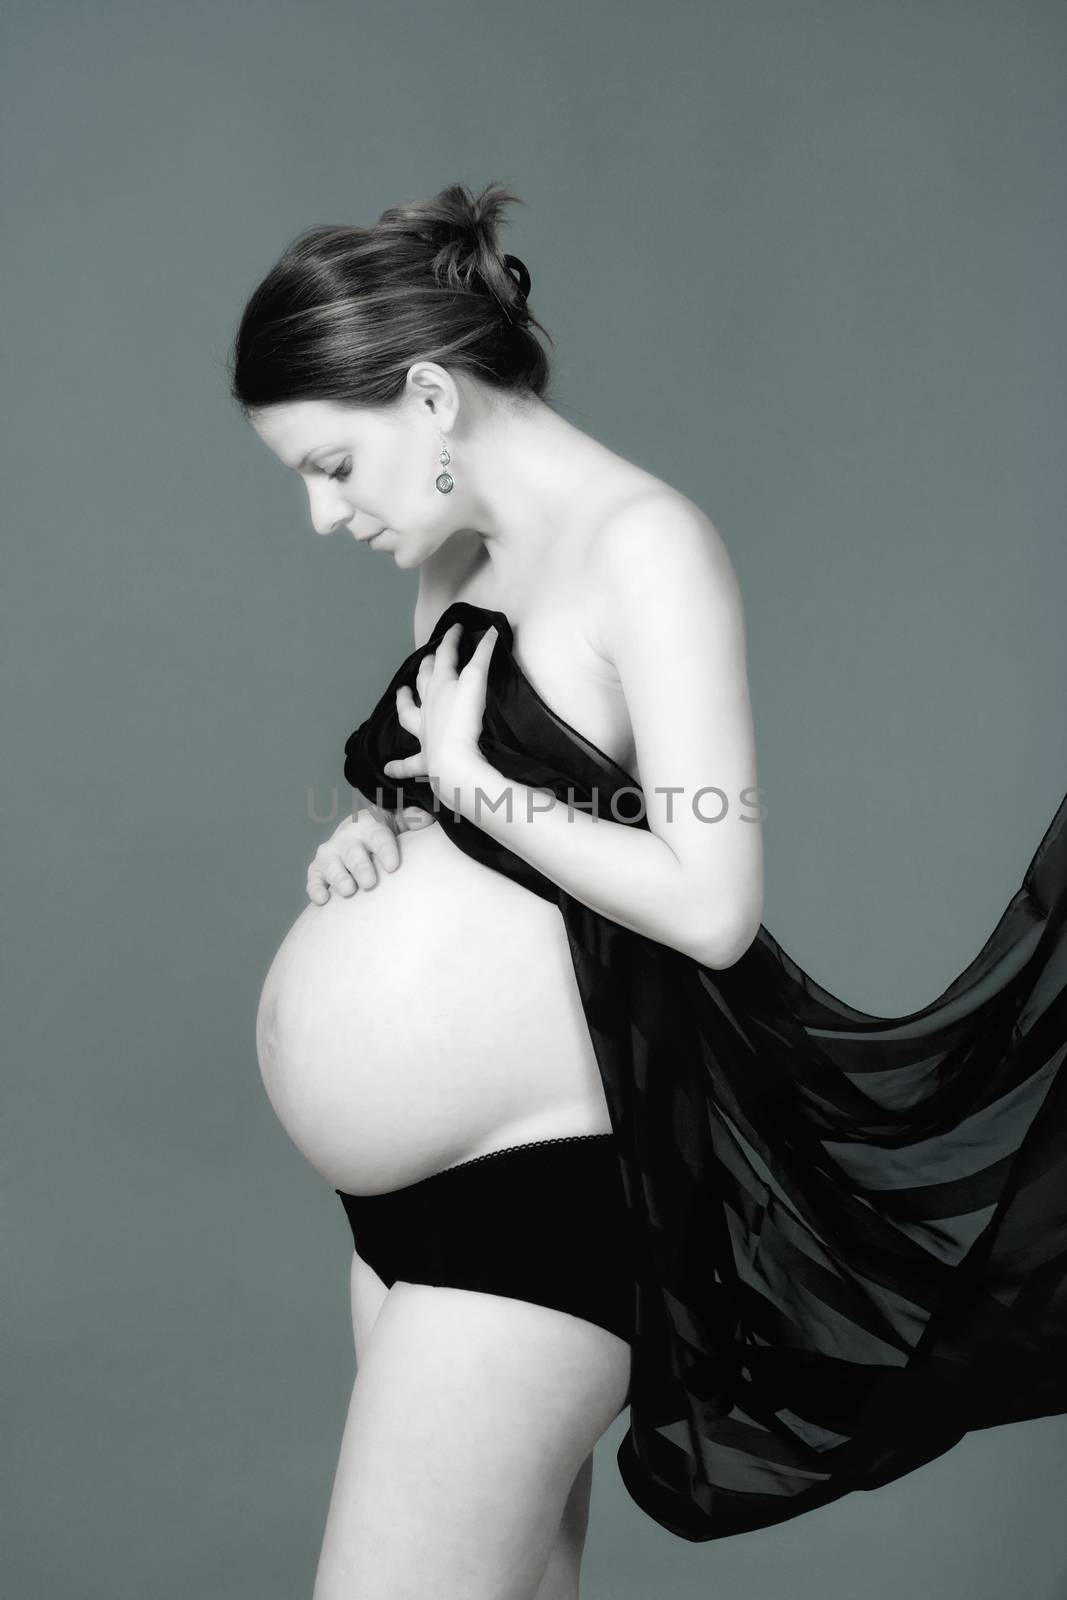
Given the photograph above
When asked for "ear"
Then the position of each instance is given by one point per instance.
(435, 392)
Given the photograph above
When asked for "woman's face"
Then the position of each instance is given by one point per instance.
(366, 469)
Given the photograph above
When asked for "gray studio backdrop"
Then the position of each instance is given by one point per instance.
(803, 261)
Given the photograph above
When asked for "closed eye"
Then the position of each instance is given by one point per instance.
(343, 471)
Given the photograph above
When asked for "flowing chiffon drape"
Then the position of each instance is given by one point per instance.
(852, 1229)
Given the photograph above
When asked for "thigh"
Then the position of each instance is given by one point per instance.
(368, 1294)
(470, 1417)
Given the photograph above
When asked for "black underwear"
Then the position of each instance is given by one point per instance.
(545, 1222)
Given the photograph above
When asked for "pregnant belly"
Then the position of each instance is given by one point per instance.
(424, 1021)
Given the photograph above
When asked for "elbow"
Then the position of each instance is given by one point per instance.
(723, 915)
(724, 944)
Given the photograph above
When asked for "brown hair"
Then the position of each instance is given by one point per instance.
(346, 310)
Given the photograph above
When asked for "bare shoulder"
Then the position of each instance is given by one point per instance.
(658, 550)
(652, 526)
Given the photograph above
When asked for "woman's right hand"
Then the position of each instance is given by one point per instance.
(347, 859)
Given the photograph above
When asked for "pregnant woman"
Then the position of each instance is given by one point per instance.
(600, 1142)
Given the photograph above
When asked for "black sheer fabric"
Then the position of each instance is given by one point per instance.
(852, 1229)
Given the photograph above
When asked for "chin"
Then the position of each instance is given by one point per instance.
(414, 560)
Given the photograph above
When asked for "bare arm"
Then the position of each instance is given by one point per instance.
(671, 621)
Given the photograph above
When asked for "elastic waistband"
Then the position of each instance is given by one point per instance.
(533, 1144)
(604, 1139)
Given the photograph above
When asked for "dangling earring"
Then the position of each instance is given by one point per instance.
(445, 480)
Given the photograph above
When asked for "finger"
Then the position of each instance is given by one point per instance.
(357, 859)
(408, 713)
(405, 767)
(316, 885)
(488, 640)
(424, 675)
(327, 872)
(415, 817)
(381, 842)
(478, 665)
(445, 655)
(335, 869)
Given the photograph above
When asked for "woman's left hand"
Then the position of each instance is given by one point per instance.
(448, 722)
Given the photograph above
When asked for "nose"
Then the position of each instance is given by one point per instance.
(326, 524)
(325, 519)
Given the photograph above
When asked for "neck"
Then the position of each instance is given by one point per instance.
(523, 473)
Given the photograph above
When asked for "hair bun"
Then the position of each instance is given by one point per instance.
(468, 250)
(346, 309)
